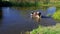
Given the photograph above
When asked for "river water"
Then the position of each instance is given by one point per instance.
(15, 21)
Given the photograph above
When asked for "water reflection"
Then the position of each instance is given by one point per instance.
(0, 12)
(51, 11)
(1, 16)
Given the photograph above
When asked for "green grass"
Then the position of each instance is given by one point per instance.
(30, 4)
(47, 30)
(26, 4)
(56, 15)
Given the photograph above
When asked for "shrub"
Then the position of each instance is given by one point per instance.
(57, 15)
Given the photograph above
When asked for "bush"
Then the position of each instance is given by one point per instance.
(27, 4)
(57, 15)
(6, 4)
(21, 4)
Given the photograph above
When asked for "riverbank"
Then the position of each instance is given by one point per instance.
(57, 15)
(47, 30)
(28, 4)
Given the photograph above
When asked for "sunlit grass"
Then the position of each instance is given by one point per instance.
(47, 30)
(56, 15)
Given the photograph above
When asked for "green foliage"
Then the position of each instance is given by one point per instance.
(47, 30)
(6, 3)
(24, 4)
(57, 15)
(27, 4)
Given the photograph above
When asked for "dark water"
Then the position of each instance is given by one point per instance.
(15, 21)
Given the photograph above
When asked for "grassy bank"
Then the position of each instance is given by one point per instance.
(56, 15)
(30, 4)
(21, 4)
(47, 30)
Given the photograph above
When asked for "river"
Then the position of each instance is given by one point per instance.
(16, 21)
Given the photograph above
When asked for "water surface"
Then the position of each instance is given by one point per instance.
(14, 21)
